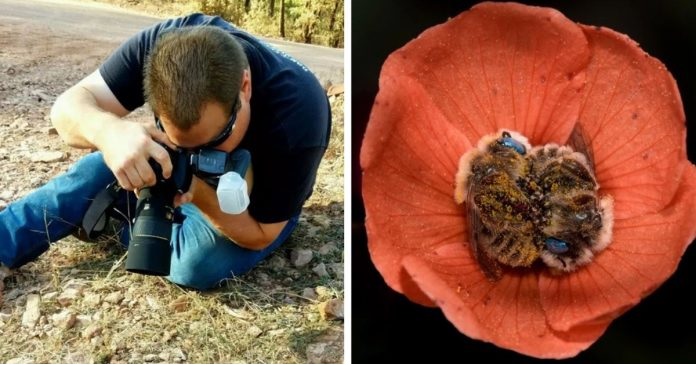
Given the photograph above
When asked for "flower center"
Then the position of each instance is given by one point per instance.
(528, 204)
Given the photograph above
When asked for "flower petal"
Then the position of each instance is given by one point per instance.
(501, 66)
(442, 92)
(409, 159)
(633, 116)
(645, 251)
(507, 312)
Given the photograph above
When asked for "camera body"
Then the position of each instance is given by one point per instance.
(149, 251)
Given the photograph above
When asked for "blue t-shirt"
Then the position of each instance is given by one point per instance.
(290, 115)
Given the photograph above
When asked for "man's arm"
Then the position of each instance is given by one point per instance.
(88, 115)
(89, 100)
(242, 228)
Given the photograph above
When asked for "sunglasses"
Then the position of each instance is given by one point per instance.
(222, 137)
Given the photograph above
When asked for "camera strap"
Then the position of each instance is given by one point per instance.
(96, 217)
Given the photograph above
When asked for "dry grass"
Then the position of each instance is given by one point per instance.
(261, 317)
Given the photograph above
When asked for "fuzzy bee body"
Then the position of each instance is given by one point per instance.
(528, 204)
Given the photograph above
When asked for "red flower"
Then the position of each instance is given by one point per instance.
(531, 70)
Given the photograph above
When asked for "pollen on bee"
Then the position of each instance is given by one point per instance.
(460, 191)
(519, 198)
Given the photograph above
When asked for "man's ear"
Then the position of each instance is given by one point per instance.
(246, 84)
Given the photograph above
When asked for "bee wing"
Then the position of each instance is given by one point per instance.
(580, 142)
(480, 234)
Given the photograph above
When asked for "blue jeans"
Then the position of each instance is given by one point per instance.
(200, 256)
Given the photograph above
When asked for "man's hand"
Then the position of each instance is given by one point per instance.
(187, 197)
(88, 115)
(127, 146)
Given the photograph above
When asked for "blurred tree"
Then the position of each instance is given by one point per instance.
(308, 21)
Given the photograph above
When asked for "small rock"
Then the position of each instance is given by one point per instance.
(327, 249)
(309, 293)
(97, 341)
(322, 220)
(164, 356)
(79, 284)
(178, 354)
(4, 317)
(41, 95)
(315, 353)
(277, 332)
(263, 279)
(84, 320)
(22, 360)
(91, 331)
(320, 270)
(135, 358)
(152, 302)
(65, 319)
(337, 269)
(32, 312)
(19, 123)
(150, 358)
(51, 131)
(313, 231)
(92, 300)
(293, 273)
(7, 195)
(300, 257)
(68, 296)
(14, 294)
(75, 358)
(49, 296)
(47, 156)
(254, 331)
(331, 309)
(117, 344)
(114, 298)
(168, 335)
(36, 181)
(179, 304)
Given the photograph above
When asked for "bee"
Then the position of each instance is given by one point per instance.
(532, 205)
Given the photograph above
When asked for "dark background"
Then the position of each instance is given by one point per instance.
(387, 327)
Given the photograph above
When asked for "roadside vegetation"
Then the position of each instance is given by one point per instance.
(319, 22)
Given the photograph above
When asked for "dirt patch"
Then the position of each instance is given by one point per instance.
(77, 304)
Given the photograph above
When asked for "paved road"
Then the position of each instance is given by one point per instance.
(97, 21)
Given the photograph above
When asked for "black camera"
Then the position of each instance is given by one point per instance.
(149, 252)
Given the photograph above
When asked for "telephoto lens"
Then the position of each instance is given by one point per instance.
(148, 250)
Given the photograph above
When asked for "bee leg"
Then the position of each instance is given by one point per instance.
(490, 266)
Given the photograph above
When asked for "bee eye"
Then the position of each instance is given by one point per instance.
(556, 246)
(511, 143)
